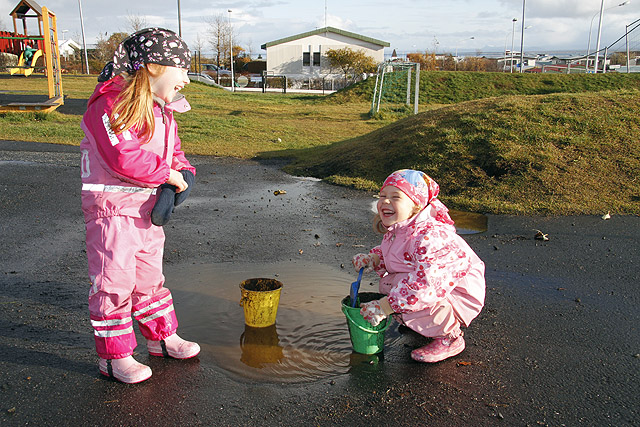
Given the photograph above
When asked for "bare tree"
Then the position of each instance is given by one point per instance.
(106, 45)
(219, 35)
(249, 47)
(197, 47)
(137, 22)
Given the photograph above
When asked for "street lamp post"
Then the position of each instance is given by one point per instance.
(455, 62)
(522, 39)
(179, 21)
(84, 44)
(233, 89)
(595, 64)
(513, 33)
(601, 13)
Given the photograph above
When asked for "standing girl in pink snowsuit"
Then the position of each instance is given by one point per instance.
(131, 147)
(433, 281)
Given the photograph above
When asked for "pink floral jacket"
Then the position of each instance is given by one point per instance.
(426, 262)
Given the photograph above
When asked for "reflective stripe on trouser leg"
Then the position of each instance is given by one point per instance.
(114, 336)
(156, 316)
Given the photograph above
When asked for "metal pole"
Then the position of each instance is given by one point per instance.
(626, 41)
(513, 33)
(416, 97)
(84, 44)
(179, 21)
(624, 3)
(589, 43)
(522, 40)
(408, 101)
(233, 88)
(595, 65)
(375, 88)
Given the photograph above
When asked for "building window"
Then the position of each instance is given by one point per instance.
(306, 59)
(316, 59)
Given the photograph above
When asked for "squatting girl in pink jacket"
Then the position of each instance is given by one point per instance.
(131, 147)
(433, 281)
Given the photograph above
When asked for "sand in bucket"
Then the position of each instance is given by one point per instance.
(260, 299)
(365, 339)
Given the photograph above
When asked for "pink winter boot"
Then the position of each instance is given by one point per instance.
(126, 370)
(173, 346)
(439, 349)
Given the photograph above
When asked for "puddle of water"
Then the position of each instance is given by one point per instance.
(309, 341)
(469, 222)
(465, 222)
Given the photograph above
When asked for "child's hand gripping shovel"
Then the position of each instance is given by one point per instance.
(355, 287)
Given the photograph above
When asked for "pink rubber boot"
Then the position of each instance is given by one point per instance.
(126, 370)
(173, 346)
(439, 349)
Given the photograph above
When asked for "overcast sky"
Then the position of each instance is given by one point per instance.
(408, 25)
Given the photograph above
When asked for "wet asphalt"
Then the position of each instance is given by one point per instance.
(556, 344)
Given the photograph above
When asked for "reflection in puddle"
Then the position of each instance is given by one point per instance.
(310, 339)
(469, 222)
(260, 346)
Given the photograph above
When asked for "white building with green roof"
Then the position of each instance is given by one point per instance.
(303, 56)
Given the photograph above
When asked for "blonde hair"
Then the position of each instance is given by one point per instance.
(379, 227)
(134, 106)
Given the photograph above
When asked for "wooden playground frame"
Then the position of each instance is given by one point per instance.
(48, 37)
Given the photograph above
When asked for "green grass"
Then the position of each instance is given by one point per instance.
(545, 154)
(445, 87)
(495, 142)
(220, 123)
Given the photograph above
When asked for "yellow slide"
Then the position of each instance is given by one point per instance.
(23, 67)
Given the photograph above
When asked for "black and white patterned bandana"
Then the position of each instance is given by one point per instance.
(148, 46)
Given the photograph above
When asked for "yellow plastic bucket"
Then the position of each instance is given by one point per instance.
(260, 299)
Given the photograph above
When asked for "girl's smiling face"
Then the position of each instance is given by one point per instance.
(394, 206)
(168, 83)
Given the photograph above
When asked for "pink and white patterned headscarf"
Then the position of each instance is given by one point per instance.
(421, 189)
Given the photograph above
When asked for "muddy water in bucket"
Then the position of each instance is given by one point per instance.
(260, 299)
(310, 339)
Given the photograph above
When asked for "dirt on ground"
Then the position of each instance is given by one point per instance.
(556, 344)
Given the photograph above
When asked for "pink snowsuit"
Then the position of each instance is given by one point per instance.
(124, 249)
(433, 279)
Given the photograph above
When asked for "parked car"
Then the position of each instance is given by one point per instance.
(213, 70)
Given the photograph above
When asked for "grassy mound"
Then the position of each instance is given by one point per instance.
(544, 154)
(446, 87)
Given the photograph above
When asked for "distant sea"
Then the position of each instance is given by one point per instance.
(499, 54)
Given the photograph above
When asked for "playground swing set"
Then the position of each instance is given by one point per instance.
(31, 48)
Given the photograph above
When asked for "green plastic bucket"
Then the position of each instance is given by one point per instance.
(365, 339)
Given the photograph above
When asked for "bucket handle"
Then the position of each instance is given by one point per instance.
(242, 300)
(346, 313)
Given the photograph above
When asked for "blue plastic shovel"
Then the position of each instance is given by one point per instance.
(355, 287)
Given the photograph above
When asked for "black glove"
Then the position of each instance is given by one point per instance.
(190, 179)
(168, 198)
(163, 208)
